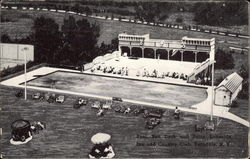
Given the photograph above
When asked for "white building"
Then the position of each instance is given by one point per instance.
(227, 91)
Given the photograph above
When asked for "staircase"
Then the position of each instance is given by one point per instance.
(198, 69)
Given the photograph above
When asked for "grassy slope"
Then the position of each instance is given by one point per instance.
(69, 131)
(109, 29)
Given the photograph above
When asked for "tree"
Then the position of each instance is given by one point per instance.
(6, 39)
(108, 48)
(81, 39)
(221, 13)
(148, 11)
(223, 60)
(46, 39)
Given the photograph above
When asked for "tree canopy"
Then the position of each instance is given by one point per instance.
(46, 38)
(221, 13)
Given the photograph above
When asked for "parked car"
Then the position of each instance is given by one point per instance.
(19, 93)
(118, 99)
(152, 114)
(198, 128)
(51, 98)
(209, 125)
(138, 111)
(107, 105)
(80, 102)
(152, 123)
(60, 99)
(37, 96)
(120, 109)
(96, 105)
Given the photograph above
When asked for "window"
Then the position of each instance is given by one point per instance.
(225, 97)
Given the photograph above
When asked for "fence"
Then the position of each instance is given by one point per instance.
(16, 52)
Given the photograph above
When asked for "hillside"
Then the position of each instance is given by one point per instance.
(21, 22)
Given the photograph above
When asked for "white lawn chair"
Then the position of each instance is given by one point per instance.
(107, 105)
(96, 105)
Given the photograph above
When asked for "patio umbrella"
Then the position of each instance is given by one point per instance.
(20, 129)
(100, 138)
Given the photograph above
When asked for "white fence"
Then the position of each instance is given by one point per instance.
(16, 52)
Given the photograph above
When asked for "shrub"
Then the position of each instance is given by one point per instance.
(244, 94)
(11, 70)
(234, 104)
(223, 60)
(218, 80)
(179, 20)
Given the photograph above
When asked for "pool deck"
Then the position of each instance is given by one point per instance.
(200, 108)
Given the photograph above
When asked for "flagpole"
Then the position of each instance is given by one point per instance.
(212, 92)
(25, 72)
(212, 59)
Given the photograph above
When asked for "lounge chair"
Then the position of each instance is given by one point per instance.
(107, 105)
(96, 105)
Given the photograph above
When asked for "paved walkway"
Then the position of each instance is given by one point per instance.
(200, 108)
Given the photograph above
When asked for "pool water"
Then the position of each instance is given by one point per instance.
(144, 91)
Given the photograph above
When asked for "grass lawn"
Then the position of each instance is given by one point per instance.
(69, 131)
(242, 109)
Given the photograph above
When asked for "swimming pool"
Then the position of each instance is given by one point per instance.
(159, 93)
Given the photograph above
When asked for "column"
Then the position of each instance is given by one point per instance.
(142, 52)
(120, 49)
(168, 53)
(181, 55)
(195, 56)
(130, 51)
(155, 53)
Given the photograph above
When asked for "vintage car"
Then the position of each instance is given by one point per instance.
(138, 111)
(152, 114)
(96, 105)
(51, 98)
(118, 99)
(107, 105)
(60, 99)
(152, 123)
(209, 125)
(19, 93)
(120, 109)
(37, 96)
(80, 102)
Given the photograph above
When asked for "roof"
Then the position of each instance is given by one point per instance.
(133, 35)
(200, 39)
(20, 124)
(231, 82)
